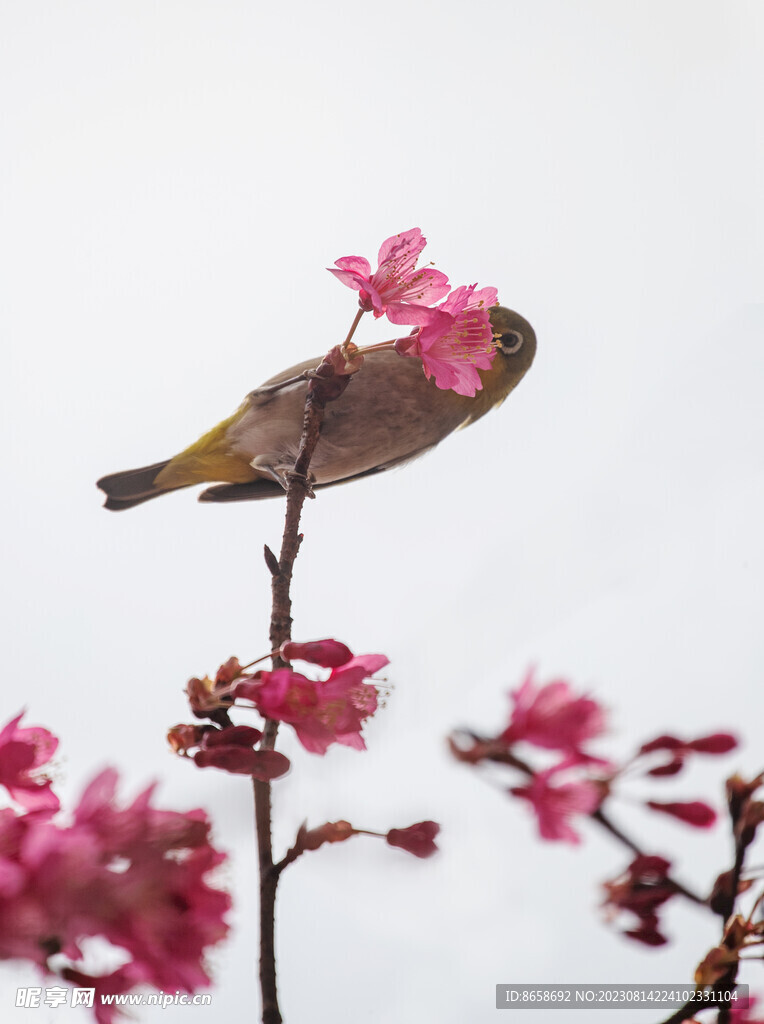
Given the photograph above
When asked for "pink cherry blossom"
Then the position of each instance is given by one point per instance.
(553, 717)
(134, 875)
(555, 804)
(22, 753)
(320, 712)
(284, 696)
(457, 341)
(396, 289)
(348, 700)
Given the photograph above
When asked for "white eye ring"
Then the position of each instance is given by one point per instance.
(509, 347)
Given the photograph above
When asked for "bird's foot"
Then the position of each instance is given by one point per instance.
(307, 481)
(282, 473)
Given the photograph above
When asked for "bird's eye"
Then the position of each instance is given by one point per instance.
(510, 342)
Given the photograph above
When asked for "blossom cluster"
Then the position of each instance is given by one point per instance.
(453, 339)
(578, 782)
(321, 712)
(554, 718)
(133, 875)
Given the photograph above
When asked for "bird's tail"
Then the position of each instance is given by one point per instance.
(132, 487)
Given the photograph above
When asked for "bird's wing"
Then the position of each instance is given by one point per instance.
(262, 395)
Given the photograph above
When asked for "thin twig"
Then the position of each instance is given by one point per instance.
(601, 818)
(320, 390)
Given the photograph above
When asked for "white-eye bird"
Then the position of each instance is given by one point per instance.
(389, 414)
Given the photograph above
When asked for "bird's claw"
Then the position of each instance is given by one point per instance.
(282, 474)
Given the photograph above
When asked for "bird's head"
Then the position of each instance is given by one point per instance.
(514, 337)
(515, 342)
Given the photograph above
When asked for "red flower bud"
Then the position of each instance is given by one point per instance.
(232, 736)
(694, 812)
(327, 653)
(648, 933)
(650, 868)
(672, 768)
(331, 832)
(261, 764)
(665, 742)
(182, 737)
(227, 672)
(717, 743)
(418, 839)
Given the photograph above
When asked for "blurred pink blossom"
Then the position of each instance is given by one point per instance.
(553, 717)
(22, 753)
(555, 804)
(133, 875)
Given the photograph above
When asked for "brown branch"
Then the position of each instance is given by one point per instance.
(325, 387)
(725, 909)
(601, 818)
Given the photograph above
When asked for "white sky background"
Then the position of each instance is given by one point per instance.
(174, 179)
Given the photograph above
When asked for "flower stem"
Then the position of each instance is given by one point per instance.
(365, 349)
(351, 332)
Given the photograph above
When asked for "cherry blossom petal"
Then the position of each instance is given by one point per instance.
(555, 804)
(457, 340)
